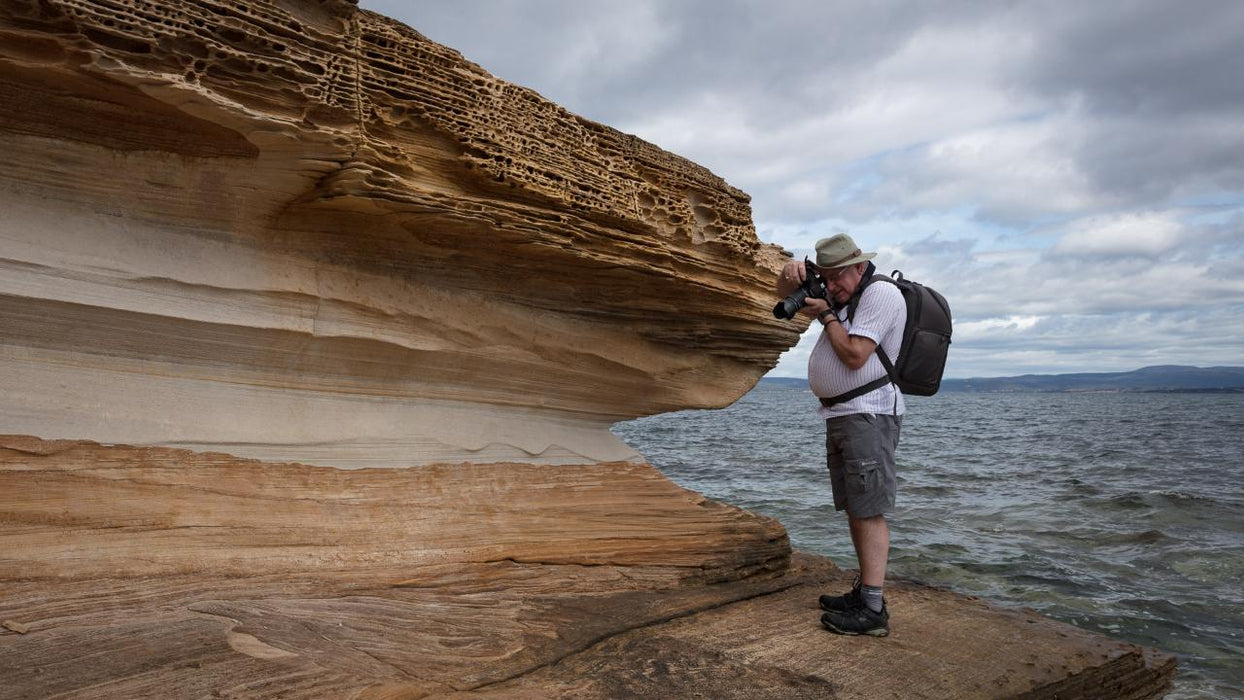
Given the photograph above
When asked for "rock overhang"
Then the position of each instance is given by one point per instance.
(293, 230)
(293, 218)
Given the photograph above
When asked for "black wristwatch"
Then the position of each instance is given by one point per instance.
(827, 312)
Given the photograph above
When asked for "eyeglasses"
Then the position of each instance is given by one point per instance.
(835, 273)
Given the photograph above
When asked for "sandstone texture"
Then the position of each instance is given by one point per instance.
(298, 230)
(152, 572)
(312, 333)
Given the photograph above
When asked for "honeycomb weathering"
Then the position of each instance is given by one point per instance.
(298, 230)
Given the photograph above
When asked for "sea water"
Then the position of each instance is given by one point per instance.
(1120, 513)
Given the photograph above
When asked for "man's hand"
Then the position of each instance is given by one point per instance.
(813, 306)
(791, 278)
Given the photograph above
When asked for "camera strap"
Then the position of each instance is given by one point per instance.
(865, 280)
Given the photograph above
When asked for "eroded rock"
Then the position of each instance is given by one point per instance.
(202, 575)
(181, 573)
(296, 232)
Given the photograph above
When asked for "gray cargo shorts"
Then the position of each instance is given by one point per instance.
(860, 449)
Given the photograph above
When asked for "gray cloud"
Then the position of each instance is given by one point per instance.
(1085, 160)
(1147, 94)
(1079, 107)
(1132, 57)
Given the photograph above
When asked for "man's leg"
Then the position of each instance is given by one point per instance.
(860, 459)
(871, 537)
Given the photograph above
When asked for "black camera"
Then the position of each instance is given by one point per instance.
(813, 286)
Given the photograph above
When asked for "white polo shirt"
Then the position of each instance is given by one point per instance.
(880, 317)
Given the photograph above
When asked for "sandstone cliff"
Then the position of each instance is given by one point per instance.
(296, 230)
(311, 334)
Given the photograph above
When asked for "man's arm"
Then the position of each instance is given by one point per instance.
(853, 350)
(881, 308)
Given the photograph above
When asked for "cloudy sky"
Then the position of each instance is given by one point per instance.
(1069, 174)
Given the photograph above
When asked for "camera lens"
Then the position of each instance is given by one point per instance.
(788, 307)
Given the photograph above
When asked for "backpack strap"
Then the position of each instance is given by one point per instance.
(865, 280)
(870, 276)
(890, 374)
(857, 392)
(894, 279)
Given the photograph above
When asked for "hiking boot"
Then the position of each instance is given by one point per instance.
(844, 602)
(858, 620)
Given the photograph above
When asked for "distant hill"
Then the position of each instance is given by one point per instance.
(791, 381)
(1156, 378)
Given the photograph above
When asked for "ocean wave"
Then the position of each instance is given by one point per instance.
(1181, 496)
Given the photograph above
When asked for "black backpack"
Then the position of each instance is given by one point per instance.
(926, 340)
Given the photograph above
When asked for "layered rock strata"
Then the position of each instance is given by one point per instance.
(296, 232)
(148, 572)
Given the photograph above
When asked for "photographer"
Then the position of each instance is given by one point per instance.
(862, 412)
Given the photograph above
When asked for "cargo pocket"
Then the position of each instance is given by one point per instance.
(861, 477)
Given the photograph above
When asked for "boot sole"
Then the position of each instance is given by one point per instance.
(874, 632)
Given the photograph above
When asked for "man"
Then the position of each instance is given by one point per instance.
(861, 423)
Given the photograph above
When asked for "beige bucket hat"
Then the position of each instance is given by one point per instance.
(839, 251)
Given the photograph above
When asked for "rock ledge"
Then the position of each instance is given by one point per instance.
(202, 575)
